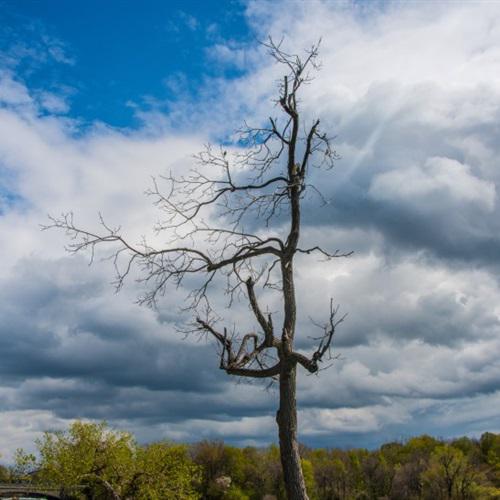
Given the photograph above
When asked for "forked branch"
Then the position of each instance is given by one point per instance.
(240, 362)
(311, 364)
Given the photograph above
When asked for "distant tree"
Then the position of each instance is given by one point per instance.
(273, 473)
(262, 176)
(5, 476)
(212, 457)
(358, 487)
(490, 449)
(111, 465)
(489, 446)
(449, 476)
(323, 472)
(420, 447)
(379, 475)
(90, 454)
(163, 471)
(489, 442)
(469, 447)
(24, 466)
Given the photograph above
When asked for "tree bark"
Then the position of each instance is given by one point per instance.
(287, 425)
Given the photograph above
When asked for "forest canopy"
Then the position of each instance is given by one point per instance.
(91, 460)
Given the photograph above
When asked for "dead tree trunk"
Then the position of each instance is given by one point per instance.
(265, 175)
(286, 418)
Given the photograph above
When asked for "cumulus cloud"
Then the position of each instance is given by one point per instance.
(413, 95)
(427, 187)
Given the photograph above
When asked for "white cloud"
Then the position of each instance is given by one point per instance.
(437, 179)
(19, 429)
(13, 92)
(53, 103)
(345, 420)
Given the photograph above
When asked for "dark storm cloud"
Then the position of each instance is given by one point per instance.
(100, 400)
(73, 346)
(66, 327)
(451, 213)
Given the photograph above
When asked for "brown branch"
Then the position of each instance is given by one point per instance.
(311, 364)
(308, 150)
(232, 363)
(328, 255)
(222, 338)
(243, 254)
(272, 371)
(265, 324)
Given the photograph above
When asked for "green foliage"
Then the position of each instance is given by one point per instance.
(449, 475)
(466, 445)
(164, 472)
(5, 476)
(112, 465)
(89, 454)
(490, 452)
(308, 471)
(482, 492)
(421, 446)
(25, 466)
(235, 493)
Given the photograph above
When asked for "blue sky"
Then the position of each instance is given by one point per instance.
(114, 54)
(98, 97)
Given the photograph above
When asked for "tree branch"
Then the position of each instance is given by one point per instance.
(265, 324)
(325, 341)
(328, 255)
(273, 371)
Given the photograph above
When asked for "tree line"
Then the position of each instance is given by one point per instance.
(93, 461)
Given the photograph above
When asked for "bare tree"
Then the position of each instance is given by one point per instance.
(256, 188)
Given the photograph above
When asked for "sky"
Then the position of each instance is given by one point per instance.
(96, 98)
